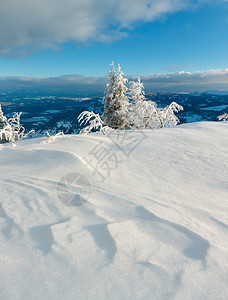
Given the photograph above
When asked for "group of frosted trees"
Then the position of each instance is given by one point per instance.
(11, 130)
(127, 108)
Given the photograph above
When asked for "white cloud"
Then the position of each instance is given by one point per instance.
(216, 79)
(46, 23)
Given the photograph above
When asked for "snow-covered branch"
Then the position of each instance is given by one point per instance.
(95, 123)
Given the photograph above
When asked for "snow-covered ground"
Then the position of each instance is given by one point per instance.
(153, 223)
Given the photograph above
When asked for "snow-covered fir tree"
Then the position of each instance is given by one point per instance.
(116, 102)
(109, 92)
(5, 129)
(142, 112)
(136, 91)
(3, 120)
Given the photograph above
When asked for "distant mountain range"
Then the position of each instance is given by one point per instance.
(76, 84)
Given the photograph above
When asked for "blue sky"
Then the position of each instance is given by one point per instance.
(146, 38)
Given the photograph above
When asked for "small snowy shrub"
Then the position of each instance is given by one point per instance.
(51, 139)
(223, 117)
(11, 130)
(17, 129)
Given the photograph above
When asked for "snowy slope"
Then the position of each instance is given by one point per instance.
(155, 228)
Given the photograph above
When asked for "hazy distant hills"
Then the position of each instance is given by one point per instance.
(67, 85)
(56, 113)
(76, 84)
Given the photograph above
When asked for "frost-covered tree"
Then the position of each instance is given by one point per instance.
(109, 92)
(116, 102)
(145, 113)
(149, 113)
(141, 111)
(5, 129)
(11, 130)
(3, 119)
(17, 129)
(136, 91)
(167, 115)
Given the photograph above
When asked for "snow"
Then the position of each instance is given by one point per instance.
(64, 124)
(155, 228)
(35, 119)
(216, 108)
(53, 111)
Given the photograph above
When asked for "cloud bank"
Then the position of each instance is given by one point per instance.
(27, 24)
(200, 81)
(216, 79)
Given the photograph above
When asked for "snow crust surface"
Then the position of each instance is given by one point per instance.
(155, 228)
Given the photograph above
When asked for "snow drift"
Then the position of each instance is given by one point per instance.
(153, 225)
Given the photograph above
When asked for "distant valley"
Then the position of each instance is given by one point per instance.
(59, 113)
